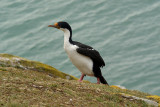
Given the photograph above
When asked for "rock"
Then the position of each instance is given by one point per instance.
(150, 102)
(7, 60)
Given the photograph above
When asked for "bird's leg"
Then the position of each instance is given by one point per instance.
(98, 81)
(81, 78)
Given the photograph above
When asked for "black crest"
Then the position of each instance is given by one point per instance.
(65, 25)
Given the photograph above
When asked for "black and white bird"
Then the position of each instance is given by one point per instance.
(84, 57)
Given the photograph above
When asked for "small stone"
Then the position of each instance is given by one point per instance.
(68, 77)
(4, 79)
(70, 99)
(40, 86)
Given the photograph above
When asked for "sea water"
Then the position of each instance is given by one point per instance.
(126, 33)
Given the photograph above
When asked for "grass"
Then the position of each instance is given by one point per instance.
(19, 88)
(28, 87)
(7, 60)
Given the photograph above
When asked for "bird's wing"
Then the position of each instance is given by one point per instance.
(90, 52)
(82, 45)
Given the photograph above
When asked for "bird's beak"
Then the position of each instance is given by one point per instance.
(55, 26)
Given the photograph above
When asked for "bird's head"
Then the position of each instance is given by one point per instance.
(62, 26)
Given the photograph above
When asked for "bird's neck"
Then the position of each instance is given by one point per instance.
(67, 37)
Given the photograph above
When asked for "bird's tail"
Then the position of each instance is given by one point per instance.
(103, 81)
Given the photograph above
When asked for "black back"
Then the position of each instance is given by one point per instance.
(90, 52)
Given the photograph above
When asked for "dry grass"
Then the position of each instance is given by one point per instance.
(26, 83)
(20, 88)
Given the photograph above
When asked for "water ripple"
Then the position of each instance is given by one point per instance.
(126, 33)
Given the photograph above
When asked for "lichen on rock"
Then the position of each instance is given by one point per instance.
(7, 60)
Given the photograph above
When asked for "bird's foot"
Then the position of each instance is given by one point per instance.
(81, 78)
(98, 81)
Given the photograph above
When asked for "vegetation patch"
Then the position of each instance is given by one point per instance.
(7, 60)
(21, 87)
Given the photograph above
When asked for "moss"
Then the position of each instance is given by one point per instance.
(7, 60)
(7, 55)
(156, 97)
(116, 87)
(2, 69)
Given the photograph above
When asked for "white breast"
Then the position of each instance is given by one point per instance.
(83, 63)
